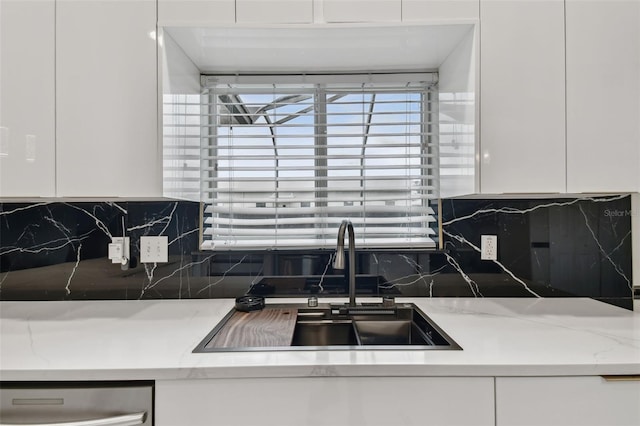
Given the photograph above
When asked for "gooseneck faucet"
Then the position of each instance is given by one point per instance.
(338, 261)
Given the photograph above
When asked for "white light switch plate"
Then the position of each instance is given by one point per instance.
(154, 249)
(115, 249)
(489, 247)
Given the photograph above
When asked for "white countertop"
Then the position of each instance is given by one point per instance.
(154, 339)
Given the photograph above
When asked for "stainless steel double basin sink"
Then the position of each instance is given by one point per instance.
(402, 326)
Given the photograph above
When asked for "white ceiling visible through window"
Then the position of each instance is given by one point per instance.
(319, 48)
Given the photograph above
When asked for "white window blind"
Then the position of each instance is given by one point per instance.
(181, 146)
(282, 164)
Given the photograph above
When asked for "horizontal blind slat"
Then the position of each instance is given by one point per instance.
(317, 179)
(340, 189)
(328, 241)
(248, 223)
(400, 211)
(309, 232)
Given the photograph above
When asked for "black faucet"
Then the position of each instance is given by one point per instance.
(338, 261)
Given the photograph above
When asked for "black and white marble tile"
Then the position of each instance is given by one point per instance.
(59, 250)
(563, 246)
(546, 248)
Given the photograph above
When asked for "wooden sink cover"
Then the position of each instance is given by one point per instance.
(266, 328)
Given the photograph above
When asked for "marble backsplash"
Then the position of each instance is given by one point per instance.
(559, 247)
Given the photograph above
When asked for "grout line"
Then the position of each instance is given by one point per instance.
(495, 401)
(55, 98)
(566, 122)
(479, 100)
(159, 110)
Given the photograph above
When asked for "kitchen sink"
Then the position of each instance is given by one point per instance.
(324, 333)
(360, 333)
(401, 326)
(390, 333)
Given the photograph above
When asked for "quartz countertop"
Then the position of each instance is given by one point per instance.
(154, 340)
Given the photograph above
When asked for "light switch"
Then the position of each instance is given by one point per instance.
(115, 249)
(154, 249)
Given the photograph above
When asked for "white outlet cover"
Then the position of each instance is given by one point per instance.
(489, 247)
(154, 249)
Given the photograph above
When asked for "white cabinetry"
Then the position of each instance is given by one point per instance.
(439, 10)
(522, 101)
(27, 98)
(274, 11)
(583, 401)
(603, 95)
(106, 104)
(362, 11)
(331, 401)
(196, 12)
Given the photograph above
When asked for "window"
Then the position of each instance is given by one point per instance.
(284, 161)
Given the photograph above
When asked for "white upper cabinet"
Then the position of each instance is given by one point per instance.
(522, 101)
(27, 98)
(196, 12)
(603, 96)
(362, 10)
(440, 10)
(274, 11)
(107, 99)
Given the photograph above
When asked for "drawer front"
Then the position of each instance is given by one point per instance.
(66, 404)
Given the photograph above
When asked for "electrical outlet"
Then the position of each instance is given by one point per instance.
(115, 249)
(154, 249)
(489, 247)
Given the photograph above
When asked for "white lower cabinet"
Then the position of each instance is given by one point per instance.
(563, 401)
(331, 401)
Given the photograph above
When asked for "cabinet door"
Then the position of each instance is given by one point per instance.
(106, 104)
(362, 11)
(27, 98)
(522, 103)
(274, 11)
(603, 96)
(330, 401)
(439, 10)
(583, 401)
(196, 12)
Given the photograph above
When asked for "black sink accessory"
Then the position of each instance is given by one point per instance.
(249, 303)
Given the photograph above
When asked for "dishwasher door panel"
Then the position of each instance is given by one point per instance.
(70, 404)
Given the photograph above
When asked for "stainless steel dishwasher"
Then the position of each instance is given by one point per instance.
(76, 403)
